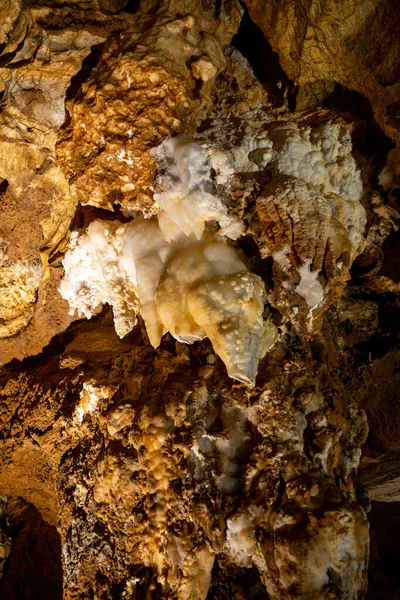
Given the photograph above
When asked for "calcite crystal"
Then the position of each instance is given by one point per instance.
(199, 300)
(94, 276)
(186, 201)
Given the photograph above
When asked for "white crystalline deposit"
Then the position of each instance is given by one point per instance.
(90, 397)
(311, 210)
(189, 287)
(321, 157)
(93, 276)
(189, 283)
(195, 289)
(240, 539)
(206, 291)
(309, 287)
(187, 200)
(281, 257)
(143, 258)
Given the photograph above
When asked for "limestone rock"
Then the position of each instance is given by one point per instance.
(142, 91)
(303, 231)
(36, 202)
(225, 420)
(354, 44)
(150, 445)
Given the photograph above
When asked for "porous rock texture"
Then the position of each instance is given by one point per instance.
(199, 313)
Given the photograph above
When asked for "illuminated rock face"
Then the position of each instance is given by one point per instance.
(152, 81)
(199, 268)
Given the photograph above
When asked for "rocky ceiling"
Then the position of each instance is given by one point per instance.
(199, 310)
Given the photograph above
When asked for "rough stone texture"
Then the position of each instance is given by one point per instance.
(150, 444)
(133, 472)
(37, 209)
(355, 44)
(152, 81)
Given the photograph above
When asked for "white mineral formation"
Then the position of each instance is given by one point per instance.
(191, 288)
(144, 256)
(93, 276)
(320, 159)
(240, 539)
(179, 277)
(309, 217)
(193, 284)
(321, 156)
(207, 291)
(309, 287)
(187, 201)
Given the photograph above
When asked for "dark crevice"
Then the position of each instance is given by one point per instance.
(16, 31)
(8, 57)
(362, 265)
(233, 581)
(117, 448)
(3, 187)
(254, 262)
(33, 570)
(393, 114)
(391, 261)
(251, 42)
(88, 65)
(147, 586)
(368, 138)
(77, 81)
(389, 329)
(118, 6)
(131, 7)
(345, 100)
(383, 571)
(198, 84)
(55, 348)
(61, 18)
(85, 214)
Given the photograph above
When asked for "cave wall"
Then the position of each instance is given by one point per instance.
(199, 300)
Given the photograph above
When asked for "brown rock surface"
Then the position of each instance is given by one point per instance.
(37, 209)
(355, 44)
(149, 444)
(141, 473)
(152, 81)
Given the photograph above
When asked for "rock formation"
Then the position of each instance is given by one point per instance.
(199, 300)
